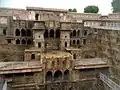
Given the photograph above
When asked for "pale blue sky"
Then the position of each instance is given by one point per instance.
(104, 5)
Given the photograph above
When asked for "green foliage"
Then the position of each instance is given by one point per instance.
(91, 9)
(116, 6)
(72, 10)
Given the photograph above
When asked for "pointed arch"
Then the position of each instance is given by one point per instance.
(57, 33)
(23, 41)
(29, 33)
(49, 76)
(29, 41)
(23, 32)
(52, 33)
(66, 75)
(78, 33)
(17, 32)
(71, 34)
(46, 33)
(74, 42)
(17, 41)
(78, 42)
(58, 75)
(74, 33)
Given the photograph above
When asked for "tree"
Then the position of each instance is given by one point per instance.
(72, 10)
(116, 6)
(91, 9)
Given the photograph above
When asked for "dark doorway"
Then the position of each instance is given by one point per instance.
(29, 33)
(57, 33)
(52, 33)
(74, 33)
(23, 33)
(39, 45)
(36, 16)
(17, 32)
(17, 41)
(65, 44)
(46, 33)
(23, 41)
(66, 75)
(29, 41)
(49, 76)
(78, 42)
(58, 75)
(33, 56)
(71, 34)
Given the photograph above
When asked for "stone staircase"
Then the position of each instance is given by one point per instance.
(52, 44)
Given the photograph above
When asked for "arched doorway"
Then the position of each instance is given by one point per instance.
(52, 33)
(57, 33)
(46, 33)
(17, 41)
(58, 75)
(17, 32)
(71, 34)
(65, 44)
(66, 75)
(23, 33)
(78, 42)
(23, 41)
(74, 33)
(78, 33)
(29, 33)
(49, 76)
(29, 41)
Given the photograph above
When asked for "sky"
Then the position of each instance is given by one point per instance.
(104, 5)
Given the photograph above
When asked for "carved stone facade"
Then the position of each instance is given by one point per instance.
(69, 48)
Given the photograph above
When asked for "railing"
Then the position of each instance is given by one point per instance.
(109, 82)
(19, 65)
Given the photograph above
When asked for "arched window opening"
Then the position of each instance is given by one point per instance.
(39, 45)
(52, 33)
(49, 76)
(46, 33)
(78, 42)
(17, 41)
(78, 33)
(33, 56)
(74, 33)
(74, 56)
(85, 32)
(57, 33)
(84, 41)
(4, 31)
(36, 16)
(29, 33)
(58, 75)
(29, 41)
(71, 34)
(66, 75)
(73, 41)
(70, 43)
(17, 32)
(65, 44)
(23, 33)
(23, 41)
